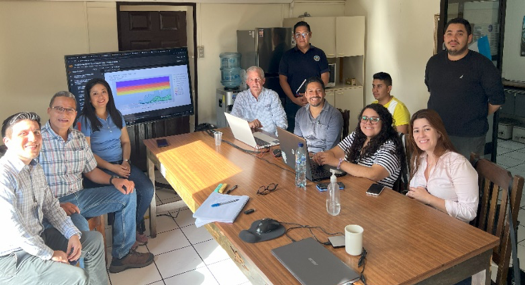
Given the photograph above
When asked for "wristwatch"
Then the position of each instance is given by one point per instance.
(126, 160)
(111, 179)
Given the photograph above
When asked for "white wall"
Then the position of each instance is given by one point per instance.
(37, 34)
(35, 37)
(513, 64)
(399, 41)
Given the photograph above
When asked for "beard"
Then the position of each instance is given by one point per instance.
(457, 51)
(318, 104)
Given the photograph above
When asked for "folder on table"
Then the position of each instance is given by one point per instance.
(228, 210)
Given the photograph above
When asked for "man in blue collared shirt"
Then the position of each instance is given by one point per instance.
(298, 64)
(318, 122)
(261, 107)
(28, 252)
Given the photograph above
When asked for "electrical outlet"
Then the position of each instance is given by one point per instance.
(200, 49)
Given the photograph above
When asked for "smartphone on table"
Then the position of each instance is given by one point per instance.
(162, 143)
(324, 186)
(375, 189)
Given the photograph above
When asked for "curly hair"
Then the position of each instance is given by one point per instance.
(89, 111)
(358, 150)
(443, 143)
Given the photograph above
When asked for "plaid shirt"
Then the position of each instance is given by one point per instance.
(65, 161)
(24, 201)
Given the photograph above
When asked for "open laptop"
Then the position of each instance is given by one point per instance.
(312, 264)
(241, 130)
(289, 143)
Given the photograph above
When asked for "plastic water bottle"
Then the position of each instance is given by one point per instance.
(333, 205)
(300, 167)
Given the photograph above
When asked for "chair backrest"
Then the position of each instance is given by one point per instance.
(346, 123)
(403, 181)
(494, 184)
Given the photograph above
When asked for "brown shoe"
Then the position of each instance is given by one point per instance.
(133, 259)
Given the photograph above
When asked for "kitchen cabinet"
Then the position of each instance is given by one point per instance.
(330, 96)
(349, 98)
(350, 36)
(336, 36)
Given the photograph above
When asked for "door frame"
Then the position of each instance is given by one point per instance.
(195, 57)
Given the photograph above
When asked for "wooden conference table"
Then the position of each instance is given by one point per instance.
(407, 242)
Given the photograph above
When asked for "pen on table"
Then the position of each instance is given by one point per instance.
(231, 189)
(224, 203)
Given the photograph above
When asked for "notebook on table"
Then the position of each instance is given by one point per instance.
(241, 131)
(312, 264)
(289, 143)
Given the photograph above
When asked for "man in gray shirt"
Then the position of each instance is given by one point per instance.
(318, 122)
(30, 254)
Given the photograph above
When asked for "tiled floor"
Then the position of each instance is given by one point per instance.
(185, 254)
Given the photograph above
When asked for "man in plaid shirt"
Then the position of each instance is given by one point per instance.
(65, 157)
(29, 253)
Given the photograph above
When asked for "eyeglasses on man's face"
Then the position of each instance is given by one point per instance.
(61, 110)
(371, 120)
(263, 190)
(304, 35)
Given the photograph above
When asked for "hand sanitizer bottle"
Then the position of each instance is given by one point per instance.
(333, 206)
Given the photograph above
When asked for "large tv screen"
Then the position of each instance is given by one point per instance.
(147, 85)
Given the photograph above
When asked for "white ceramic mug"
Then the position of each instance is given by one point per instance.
(354, 239)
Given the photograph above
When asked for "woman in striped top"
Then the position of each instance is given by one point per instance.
(374, 150)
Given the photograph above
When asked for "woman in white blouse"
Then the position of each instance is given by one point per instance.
(441, 177)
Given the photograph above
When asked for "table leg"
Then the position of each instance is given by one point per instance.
(153, 204)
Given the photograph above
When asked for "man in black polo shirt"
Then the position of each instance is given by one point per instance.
(465, 87)
(297, 64)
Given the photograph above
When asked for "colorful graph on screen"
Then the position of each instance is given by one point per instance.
(155, 89)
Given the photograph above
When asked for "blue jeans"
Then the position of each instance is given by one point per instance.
(21, 267)
(143, 188)
(94, 202)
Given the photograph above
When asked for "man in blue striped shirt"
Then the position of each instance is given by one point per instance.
(28, 252)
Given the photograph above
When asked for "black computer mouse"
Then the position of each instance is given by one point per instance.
(267, 225)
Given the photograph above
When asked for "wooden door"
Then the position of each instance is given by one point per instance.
(147, 30)
(140, 30)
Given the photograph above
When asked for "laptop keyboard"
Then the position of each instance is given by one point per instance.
(261, 143)
(318, 171)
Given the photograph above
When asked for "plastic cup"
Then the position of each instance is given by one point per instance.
(218, 138)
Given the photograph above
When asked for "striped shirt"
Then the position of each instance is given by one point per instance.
(65, 161)
(25, 200)
(267, 108)
(384, 156)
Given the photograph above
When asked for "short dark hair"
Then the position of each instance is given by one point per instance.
(13, 119)
(66, 94)
(385, 77)
(301, 24)
(314, 79)
(465, 23)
